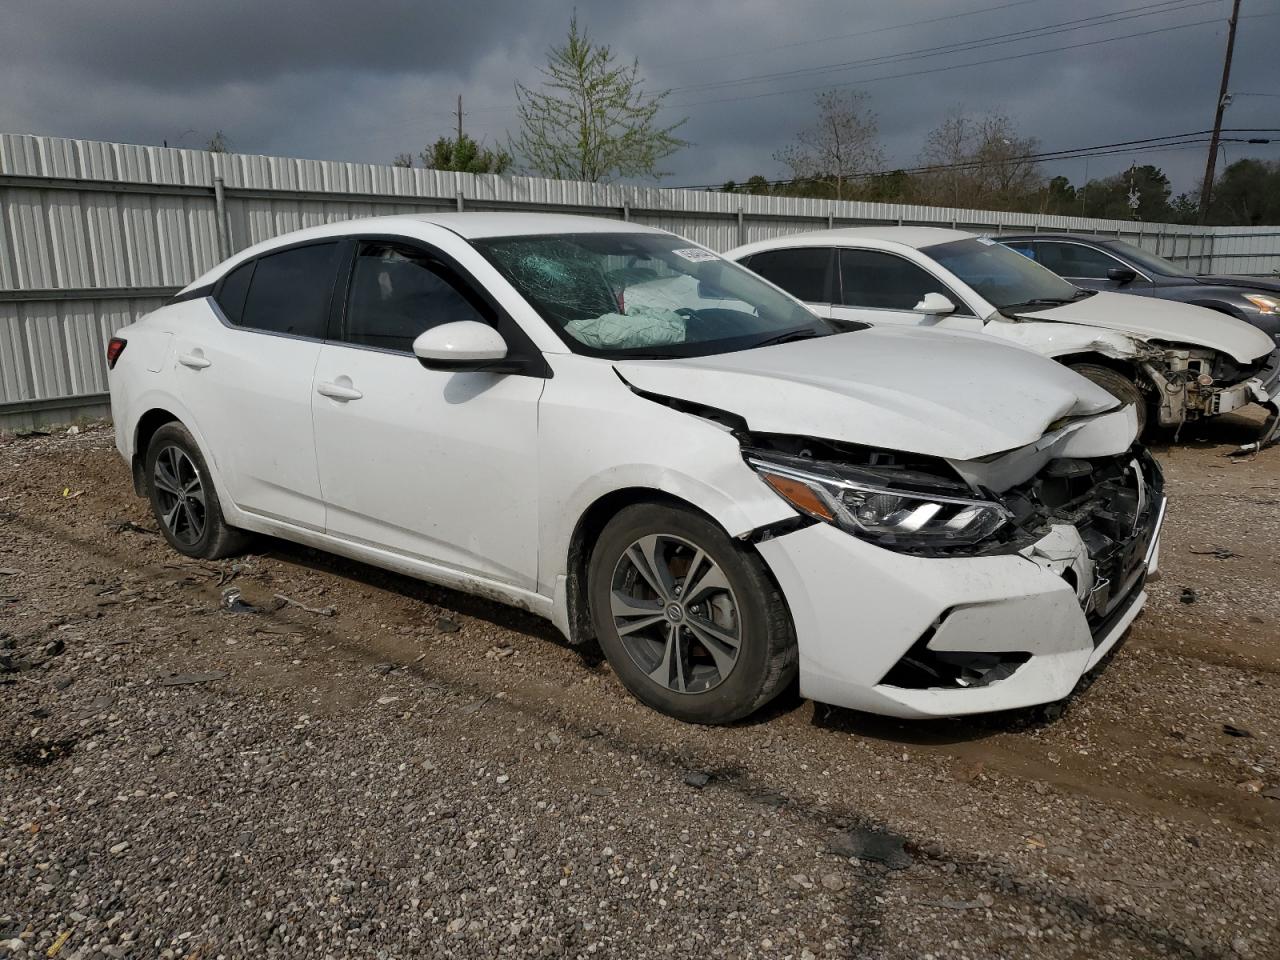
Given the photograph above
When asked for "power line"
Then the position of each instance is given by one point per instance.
(955, 66)
(964, 46)
(847, 36)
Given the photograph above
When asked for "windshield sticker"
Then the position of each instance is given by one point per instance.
(696, 254)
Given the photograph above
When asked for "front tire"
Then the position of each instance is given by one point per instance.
(689, 619)
(1119, 386)
(183, 499)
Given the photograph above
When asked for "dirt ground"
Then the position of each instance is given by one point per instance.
(425, 774)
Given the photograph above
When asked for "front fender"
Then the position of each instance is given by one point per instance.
(1056, 339)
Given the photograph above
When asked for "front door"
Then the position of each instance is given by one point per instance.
(431, 464)
(875, 286)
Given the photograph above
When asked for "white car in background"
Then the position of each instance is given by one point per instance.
(1173, 361)
(621, 431)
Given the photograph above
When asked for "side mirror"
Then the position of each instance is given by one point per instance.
(934, 304)
(1121, 274)
(462, 345)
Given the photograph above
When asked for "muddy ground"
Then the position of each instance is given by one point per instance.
(425, 774)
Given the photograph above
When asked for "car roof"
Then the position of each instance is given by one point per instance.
(915, 237)
(1078, 237)
(469, 226)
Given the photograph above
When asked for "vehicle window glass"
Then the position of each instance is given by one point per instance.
(1149, 261)
(290, 291)
(1076, 260)
(646, 294)
(397, 292)
(886, 281)
(801, 272)
(232, 292)
(1028, 250)
(1001, 277)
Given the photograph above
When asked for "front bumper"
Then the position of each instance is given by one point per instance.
(859, 610)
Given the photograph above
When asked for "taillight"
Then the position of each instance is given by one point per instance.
(115, 347)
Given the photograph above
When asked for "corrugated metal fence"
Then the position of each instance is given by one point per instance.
(93, 234)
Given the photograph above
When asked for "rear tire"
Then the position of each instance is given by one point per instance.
(689, 619)
(183, 499)
(1119, 386)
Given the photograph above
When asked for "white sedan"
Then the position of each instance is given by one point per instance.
(619, 430)
(1172, 361)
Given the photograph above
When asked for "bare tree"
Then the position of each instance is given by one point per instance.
(592, 119)
(218, 143)
(843, 145)
(978, 161)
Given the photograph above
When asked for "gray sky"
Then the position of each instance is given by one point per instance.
(363, 81)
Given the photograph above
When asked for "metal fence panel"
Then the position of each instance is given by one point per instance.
(100, 220)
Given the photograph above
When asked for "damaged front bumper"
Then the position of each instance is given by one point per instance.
(1187, 384)
(916, 636)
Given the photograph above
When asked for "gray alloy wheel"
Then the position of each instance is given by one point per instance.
(675, 613)
(689, 618)
(183, 498)
(180, 495)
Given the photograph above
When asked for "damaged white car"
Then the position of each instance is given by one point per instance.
(620, 431)
(1173, 361)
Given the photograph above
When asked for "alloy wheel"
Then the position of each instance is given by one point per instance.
(675, 613)
(180, 495)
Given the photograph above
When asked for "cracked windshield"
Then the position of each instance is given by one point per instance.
(636, 295)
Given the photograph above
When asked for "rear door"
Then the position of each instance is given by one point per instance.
(247, 380)
(876, 286)
(804, 272)
(432, 464)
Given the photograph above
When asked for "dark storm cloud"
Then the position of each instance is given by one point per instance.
(364, 81)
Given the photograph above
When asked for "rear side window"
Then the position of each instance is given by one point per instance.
(397, 292)
(1075, 260)
(802, 272)
(886, 281)
(1028, 250)
(289, 292)
(233, 291)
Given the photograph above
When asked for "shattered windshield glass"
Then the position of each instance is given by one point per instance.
(646, 295)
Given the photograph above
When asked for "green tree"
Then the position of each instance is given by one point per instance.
(1246, 194)
(465, 155)
(592, 119)
(758, 185)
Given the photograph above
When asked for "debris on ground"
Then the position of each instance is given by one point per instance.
(1188, 595)
(318, 611)
(1233, 731)
(697, 779)
(188, 679)
(876, 846)
(445, 625)
(232, 602)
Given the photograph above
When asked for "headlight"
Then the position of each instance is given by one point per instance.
(1264, 304)
(893, 508)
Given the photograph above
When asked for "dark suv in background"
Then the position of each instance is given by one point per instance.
(1102, 264)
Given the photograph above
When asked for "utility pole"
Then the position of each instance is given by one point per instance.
(460, 95)
(1206, 189)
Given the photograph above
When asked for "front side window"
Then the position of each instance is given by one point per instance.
(1149, 262)
(290, 291)
(646, 295)
(802, 271)
(1076, 260)
(886, 281)
(397, 292)
(1005, 279)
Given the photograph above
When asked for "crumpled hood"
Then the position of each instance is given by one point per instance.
(1268, 284)
(1150, 319)
(954, 395)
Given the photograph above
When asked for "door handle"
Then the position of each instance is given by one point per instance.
(335, 391)
(195, 361)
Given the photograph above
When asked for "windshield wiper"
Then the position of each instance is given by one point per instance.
(1083, 294)
(787, 337)
(1039, 302)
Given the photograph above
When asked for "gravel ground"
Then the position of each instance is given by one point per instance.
(420, 773)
